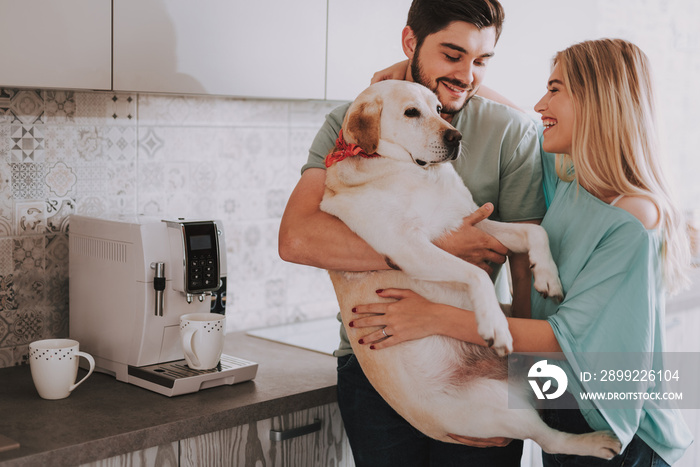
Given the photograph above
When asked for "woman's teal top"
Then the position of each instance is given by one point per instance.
(610, 269)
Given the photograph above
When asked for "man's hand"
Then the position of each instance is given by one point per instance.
(472, 244)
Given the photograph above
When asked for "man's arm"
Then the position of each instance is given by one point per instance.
(312, 237)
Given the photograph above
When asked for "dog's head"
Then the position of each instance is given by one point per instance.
(401, 120)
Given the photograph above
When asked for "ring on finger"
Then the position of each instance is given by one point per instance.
(384, 332)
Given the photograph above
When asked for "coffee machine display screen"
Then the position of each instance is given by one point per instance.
(200, 242)
(202, 252)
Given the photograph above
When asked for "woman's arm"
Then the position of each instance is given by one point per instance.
(412, 316)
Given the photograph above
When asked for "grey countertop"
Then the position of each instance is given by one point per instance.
(104, 417)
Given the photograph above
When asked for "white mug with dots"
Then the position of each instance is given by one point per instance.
(54, 367)
(202, 336)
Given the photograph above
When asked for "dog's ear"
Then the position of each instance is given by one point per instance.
(362, 124)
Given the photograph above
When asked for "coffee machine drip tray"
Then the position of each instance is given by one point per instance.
(175, 378)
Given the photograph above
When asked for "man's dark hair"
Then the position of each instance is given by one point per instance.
(427, 17)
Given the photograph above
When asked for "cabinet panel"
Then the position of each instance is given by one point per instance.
(266, 48)
(364, 36)
(157, 456)
(251, 445)
(48, 44)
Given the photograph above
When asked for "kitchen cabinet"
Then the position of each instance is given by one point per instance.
(251, 444)
(266, 48)
(157, 456)
(364, 36)
(66, 44)
(307, 49)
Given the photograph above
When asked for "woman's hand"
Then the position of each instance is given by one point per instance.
(395, 71)
(410, 317)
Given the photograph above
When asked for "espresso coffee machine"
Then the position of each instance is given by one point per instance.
(130, 280)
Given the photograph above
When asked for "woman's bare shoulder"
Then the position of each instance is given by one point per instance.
(642, 208)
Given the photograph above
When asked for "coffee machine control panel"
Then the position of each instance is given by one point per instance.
(201, 257)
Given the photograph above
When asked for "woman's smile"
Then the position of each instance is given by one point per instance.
(556, 108)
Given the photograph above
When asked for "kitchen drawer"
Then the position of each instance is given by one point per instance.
(311, 437)
(316, 438)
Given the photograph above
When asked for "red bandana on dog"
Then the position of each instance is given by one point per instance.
(344, 150)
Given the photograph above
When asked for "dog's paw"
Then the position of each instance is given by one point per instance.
(603, 444)
(493, 328)
(547, 281)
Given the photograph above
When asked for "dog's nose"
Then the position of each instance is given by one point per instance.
(451, 138)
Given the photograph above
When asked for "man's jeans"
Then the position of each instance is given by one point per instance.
(379, 437)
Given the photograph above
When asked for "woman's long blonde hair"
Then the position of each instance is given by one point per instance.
(615, 145)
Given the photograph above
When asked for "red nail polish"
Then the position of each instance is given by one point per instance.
(354, 310)
(351, 324)
(371, 347)
(361, 341)
(380, 290)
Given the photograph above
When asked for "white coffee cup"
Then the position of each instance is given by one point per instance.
(54, 366)
(202, 337)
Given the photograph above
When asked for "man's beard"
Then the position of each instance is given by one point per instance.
(420, 77)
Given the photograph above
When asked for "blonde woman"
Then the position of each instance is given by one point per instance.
(616, 237)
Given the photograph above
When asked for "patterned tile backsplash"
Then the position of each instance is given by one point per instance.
(92, 153)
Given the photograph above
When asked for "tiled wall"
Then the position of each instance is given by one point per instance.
(64, 152)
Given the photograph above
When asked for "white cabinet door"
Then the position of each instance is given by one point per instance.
(261, 48)
(56, 44)
(364, 36)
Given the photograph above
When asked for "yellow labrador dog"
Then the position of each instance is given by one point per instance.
(400, 197)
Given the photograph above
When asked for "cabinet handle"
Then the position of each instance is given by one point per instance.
(295, 432)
